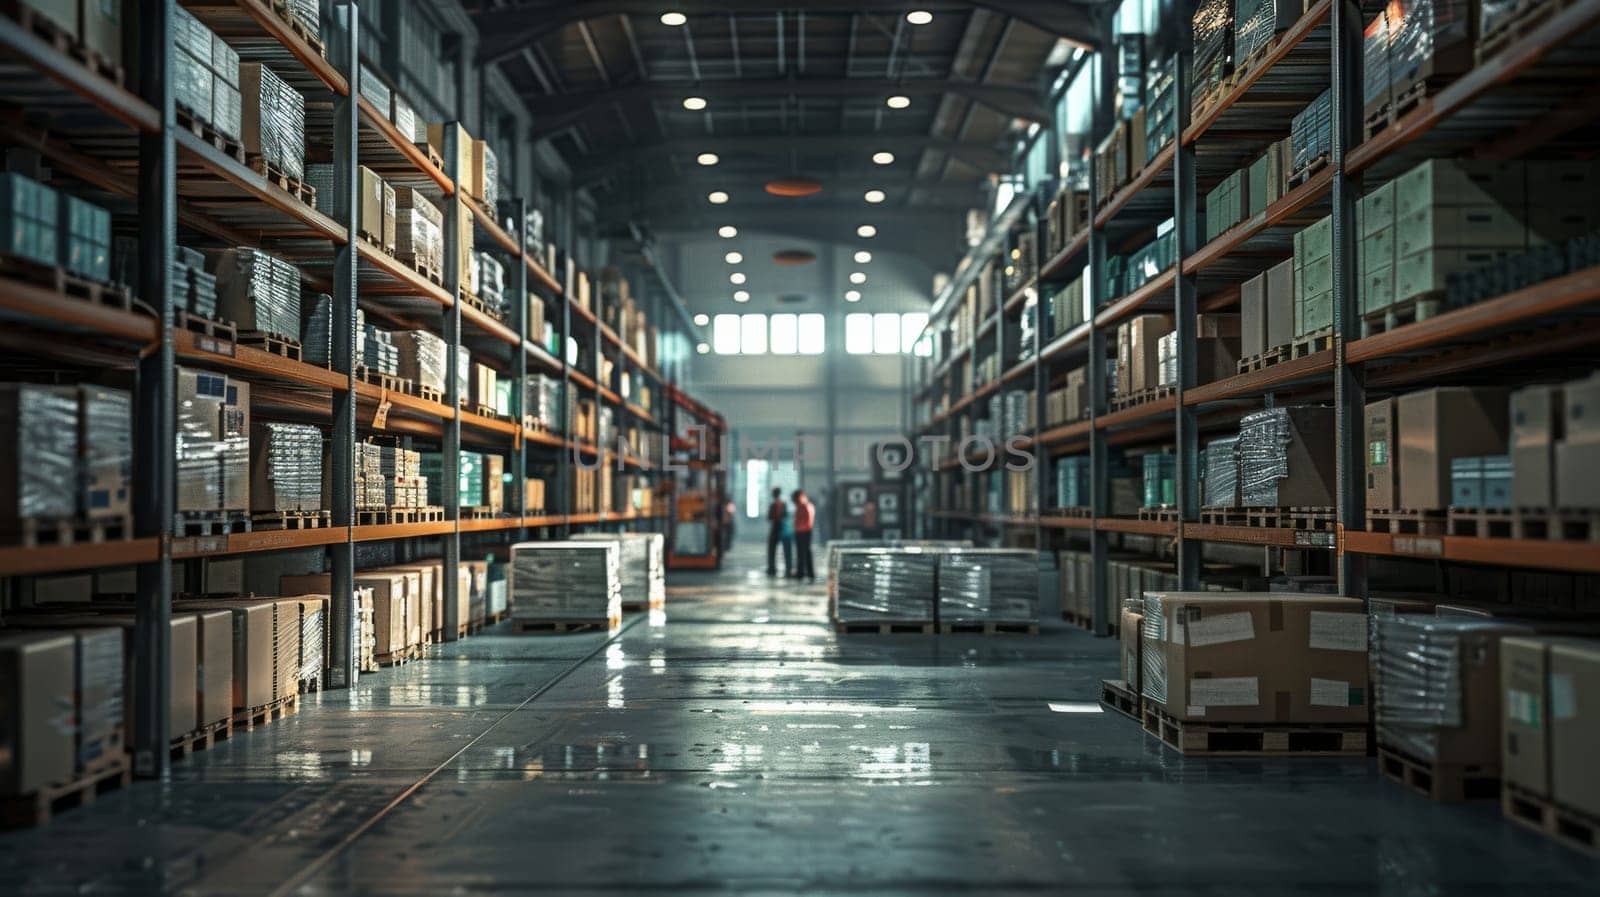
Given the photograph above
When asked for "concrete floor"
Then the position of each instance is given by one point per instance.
(737, 745)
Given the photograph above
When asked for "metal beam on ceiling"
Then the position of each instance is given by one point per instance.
(593, 168)
(669, 207)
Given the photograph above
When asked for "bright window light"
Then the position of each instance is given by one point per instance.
(918, 17)
(911, 325)
(858, 277)
(883, 158)
(725, 334)
(873, 196)
(924, 347)
(702, 320)
(717, 197)
(736, 278)
(863, 257)
(727, 232)
(812, 334)
(675, 19)
(866, 231)
(753, 340)
(858, 334)
(733, 258)
(852, 295)
(899, 102)
(694, 104)
(741, 295)
(785, 334)
(755, 485)
(885, 333)
(707, 159)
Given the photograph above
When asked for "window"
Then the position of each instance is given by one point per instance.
(813, 335)
(754, 338)
(758, 334)
(755, 484)
(885, 333)
(785, 335)
(725, 334)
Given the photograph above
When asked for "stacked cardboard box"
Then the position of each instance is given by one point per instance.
(1227, 203)
(205, 73)
(274, 119)
(1453, 216)
(1160, 483)
(1413, 441)
(30, 212)
(1286, 457)
(37, 681)
(1313, 278)
(1267, 310)
(372, 494)
(285, 467)
(1213, 47)
(1550, 687)
(194, 289)
(1138, 355)
(1375, 232)
(1311, 134)
(213, 450)
(418, 230)
(257, 291)
(566, 581)
(1578, 450)
(1267, 178)
(1482, 483)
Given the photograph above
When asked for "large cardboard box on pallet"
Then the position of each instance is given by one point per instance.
(1535, 426)
(182, 683)
(465, 174)
(1575, 724)
(1280, 315)
(37, 725)
(1436, 426)
(430, 585)
(252, 635)
(1382, 464)
(389, 602)
(1531, 693)
(1131, 636)
(1255, 657)
(214, 643)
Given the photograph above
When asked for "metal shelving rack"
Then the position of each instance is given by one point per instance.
(1508, 94)
(133, 149)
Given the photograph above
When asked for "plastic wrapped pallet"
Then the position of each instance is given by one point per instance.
(885, 585)
(274, 120)
(419, 230)
(85, 239)
(1257, 22)
(1220, 467)
(644, 569)
(376, 91)
(286, 466)
(988, 586)
(257, 291)
(1441, 688)
(105, 434)
(378, 350)
(316, 337)
(1432, 42)
(422, 357)
(30, 218)
(40, 424)
(566, 581)
(1286, 457)
(37, 737)
(313, 631)
(1213, 45)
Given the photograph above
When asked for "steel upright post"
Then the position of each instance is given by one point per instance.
(1099, 390)
(342, 610)
(453, 276)
(519, 462)
(1186, 220)
(1349, 387)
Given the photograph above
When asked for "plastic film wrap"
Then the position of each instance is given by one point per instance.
(1427, 29)
(421, 357)
(1213, 44)
(99, 661)
(1220, 466)
(988, 586)
(1154, 657)
(565, 581)
(313, 624)
(541, 399)
(885, 585)
(643, 560)
(419, 229)
(106, 417)
(30, 217)
(292, 454)
(491, 178)
(280, 123)
(1311, 132)
(1256, 22)
(258, 291)
(1420, 663)
(44, 421)
(86, 239)
(1376, 64)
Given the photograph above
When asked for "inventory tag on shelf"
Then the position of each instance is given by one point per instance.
(213, 345)
(1314, 539)
(1419, 546)
(380, 418)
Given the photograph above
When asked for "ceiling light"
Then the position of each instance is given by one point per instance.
(707, 159)
(858, 277)
(733, 258)
(863, 257)
(852, 296)
(736, 278)
(717, 197)
(741, 296)
(702, 320)
(866, 232)
(674, 19)
(873, 196)
(915, 17)
(899, 101)
(703, 349)
(883, 158)
(694, 104)
(727, 232)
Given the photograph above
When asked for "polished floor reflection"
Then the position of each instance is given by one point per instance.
(735, 743)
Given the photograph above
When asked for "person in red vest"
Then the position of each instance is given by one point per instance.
(805, 518)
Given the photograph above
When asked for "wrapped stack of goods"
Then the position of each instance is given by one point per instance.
(194, 288)
(1311, 136)
(205, 74)
(1160, 104)
(988, 588)
(882, 585)
(1160, 480)
(1265, 660)
(1267, 311)
(419, 232)
(1267, 178)
(274, 120)
(85, 234)
(1213, 48)
(1226, 204)
(1411, 51)
(485, 183)
(403, 482)
(1072, 482)
(488, 282)
(1138, 354)
(1286, 458)
(566, 582)
(1068, 217)
(285, 468)
(33, 219)
(378, 351)
(41, 454)
(257, 292)
(105, 429)
(1219, 471)
(316, 337)
(1257, 22)
(644, 567)
(370, 492)
(421, 358)
(213, 450)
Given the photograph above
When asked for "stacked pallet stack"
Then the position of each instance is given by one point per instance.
(285, 469)
(213, 450)
(258, 292)
(644, 571)
(274, 121)
(206, 76)
(883, 586)
(988, 590)
(555, 584)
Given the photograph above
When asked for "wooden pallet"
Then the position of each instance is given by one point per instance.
(106, 774)
(271, 343)
(1275, 355)
(202, 739)
(1446, 784)
(1143, 396)
(1408, 311)
(202, 128)
(62, 40)
(376, 241)
(1115, 694)
(203, 326)
(309, 35)
(637, 607)
(1160, 515)
(59, 280)
(1573, 525)
(1571, 827)
(36, 532)
(494, 619)
(1267, 518)
(989, 627)
(399, 658)
(1406, 522)
(291, 520)
(1255, 739)
(1483, 523)
(551, 627)
(279, 178)
(1529, 14)
(1307, 173)
(883, 627)
(1076, 511)
(381, 380)
(1223, 517)
(1313, 519)
(248, 720)
(391, 516)
(1312, 343)
(429, 393)
(478, 512)
(186, 524)
(473, 300)
(428, 272)
(1396, 109)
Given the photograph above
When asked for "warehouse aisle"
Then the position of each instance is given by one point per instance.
(738, 743)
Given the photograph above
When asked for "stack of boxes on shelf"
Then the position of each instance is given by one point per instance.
(1213, 49)
(205, 73)
(1267, 313)
(642, 564)
(1311, 136)
(213, 450)
(419, 232)
(1160, 480)
(258, 292)
(1313, 280)
(1411, 51)
(67, 456)
(194, 288)
(273, 121)
(1138, 355)
(1286, 458)
(924, 584)
(1216, 350)
(286, 469)
(1068, 216)
(1069, 403)
(54, 229)
(566, 583)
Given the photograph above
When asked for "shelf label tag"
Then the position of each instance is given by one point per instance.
(380, 418)
(1314, 539)
(1432, 547)
(214, 346)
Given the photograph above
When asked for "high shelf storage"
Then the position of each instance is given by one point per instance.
(169, 179)
(989, 337)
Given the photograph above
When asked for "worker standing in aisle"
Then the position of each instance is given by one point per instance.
(805, 516)
(777, 512)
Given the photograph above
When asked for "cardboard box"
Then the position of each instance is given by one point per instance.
(390, 219)
(1575, 724)
(214, 643)
(1383, 468)
(38, 454)
(373, 201)
(37, 725)
(1458, 227)
(1257, 658)
(494, 487)
(1460, 182)
(1129, 633)
(286, 648)
(484, 379)
(1253, 316)
(465, 174)
(1576, 484)
(1525, 699)
(251, 639)
(1144, 332)
(1536, 414)
(1581, 410)
(1280, 304)
(1435, 427)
